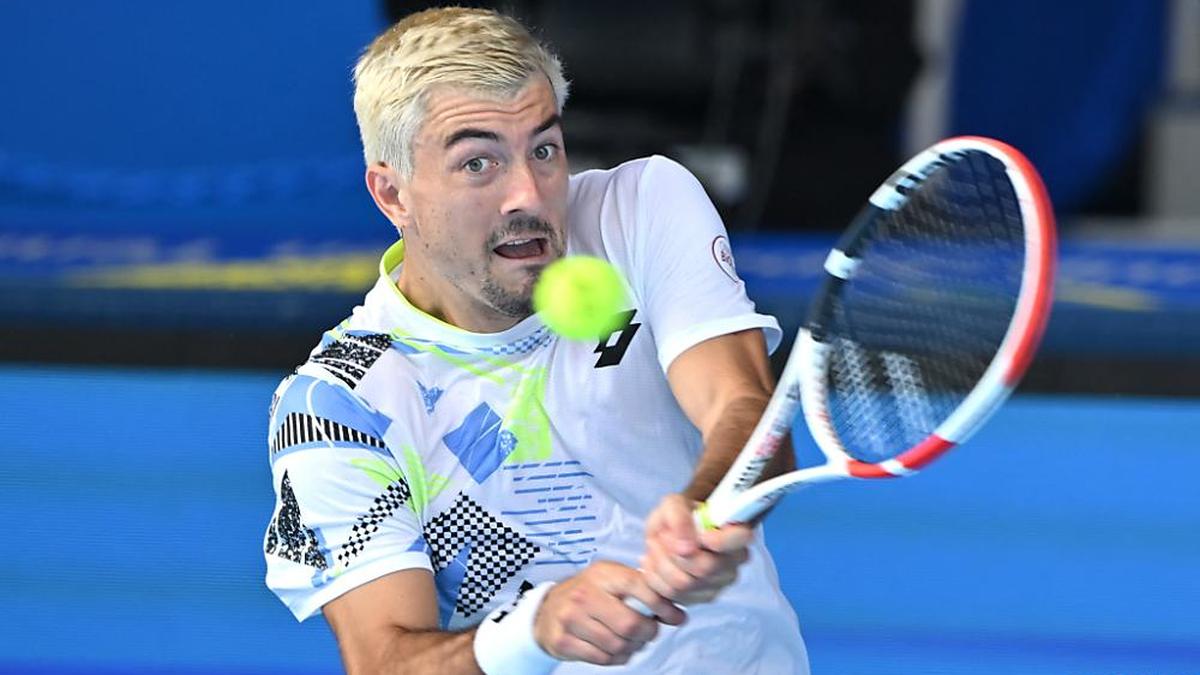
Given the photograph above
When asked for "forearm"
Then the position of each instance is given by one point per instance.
(406, 652)
(724, 440)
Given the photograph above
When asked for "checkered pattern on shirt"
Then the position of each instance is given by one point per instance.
(396, 495)
(526, 344)
(497, 551)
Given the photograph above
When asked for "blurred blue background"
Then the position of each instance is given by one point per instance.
(182, 214)
(1061, 539)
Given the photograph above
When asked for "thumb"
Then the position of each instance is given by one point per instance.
(679, 525)
(727, 538)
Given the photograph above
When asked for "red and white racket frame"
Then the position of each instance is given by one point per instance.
(738, 499)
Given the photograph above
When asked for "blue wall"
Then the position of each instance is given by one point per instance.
(145, 85)
(204, 116)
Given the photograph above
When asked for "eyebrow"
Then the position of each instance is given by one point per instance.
(470, 132)
(551, 121)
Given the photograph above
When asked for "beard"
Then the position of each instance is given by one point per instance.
(518, 303)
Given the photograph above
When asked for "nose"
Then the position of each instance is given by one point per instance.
(523, 194)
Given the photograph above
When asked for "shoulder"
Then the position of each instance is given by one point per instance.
(348, 355)
(612, 210)
(633, 176)
(327, 385)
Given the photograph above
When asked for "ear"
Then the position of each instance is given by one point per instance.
(390, 193)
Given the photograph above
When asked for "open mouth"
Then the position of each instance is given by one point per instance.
(520, 249)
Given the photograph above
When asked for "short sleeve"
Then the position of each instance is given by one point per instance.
(686, 275)
(343, 513)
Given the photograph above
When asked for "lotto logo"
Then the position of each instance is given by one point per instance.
(611, 354)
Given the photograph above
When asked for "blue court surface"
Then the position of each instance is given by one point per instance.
(1063, 539)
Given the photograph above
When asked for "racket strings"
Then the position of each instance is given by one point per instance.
(917, 325)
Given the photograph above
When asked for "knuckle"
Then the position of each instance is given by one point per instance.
(576, 597)
(616, 645)
(561, 644)
(680, 580)
(627, 626)
(658, 585)
(706, 564)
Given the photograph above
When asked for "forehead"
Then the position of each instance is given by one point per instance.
(451, 109)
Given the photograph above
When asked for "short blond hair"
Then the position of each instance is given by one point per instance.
(477, 50)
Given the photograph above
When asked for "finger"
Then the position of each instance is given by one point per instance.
(671, 588)
(628, 623)
(611, 638)
(662, 608)
(618, 582)
(663, 571)
(679, 525)
(570, 647)
(689, 590)
(727, 538)
(707, 566)
(622, 619)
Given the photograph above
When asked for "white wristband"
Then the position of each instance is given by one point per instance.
(504, 642)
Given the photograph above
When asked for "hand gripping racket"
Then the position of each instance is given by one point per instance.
(932, 306)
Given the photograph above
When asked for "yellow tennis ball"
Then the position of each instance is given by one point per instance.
(580, 297)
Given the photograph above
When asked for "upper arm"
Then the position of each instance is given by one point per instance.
(365, 619)
(682, 268)
(344, 514)
(710, 376)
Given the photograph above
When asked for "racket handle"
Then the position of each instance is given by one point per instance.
(638, 606)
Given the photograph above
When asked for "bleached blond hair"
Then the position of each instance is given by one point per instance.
(477, 50)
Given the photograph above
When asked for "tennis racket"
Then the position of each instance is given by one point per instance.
(932, 307)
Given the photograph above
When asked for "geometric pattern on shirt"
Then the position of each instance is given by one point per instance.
(288, 537)
(479, 443)
(395, 496)
(299, 428)
(507, 609)
(497, 552)
(526, 344)
(349, 357)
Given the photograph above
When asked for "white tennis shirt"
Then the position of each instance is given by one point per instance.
(499, 461)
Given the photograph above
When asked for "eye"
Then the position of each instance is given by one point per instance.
(545, 152)
(478, 164)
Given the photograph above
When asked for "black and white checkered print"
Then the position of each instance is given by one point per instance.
(539, 338)
(396, 495)
(299, 428)
(526, 344)
(349, 358)
(497, 551)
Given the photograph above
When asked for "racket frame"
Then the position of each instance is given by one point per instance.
(737, 498)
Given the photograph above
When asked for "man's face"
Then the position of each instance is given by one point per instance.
(487, 205)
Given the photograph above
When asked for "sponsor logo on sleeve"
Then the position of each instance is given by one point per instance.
(724, 257)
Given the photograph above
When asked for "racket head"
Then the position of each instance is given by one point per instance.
(933, 305)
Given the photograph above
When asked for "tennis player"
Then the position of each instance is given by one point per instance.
(458, 489)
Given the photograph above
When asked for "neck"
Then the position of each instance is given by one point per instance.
(440, 298)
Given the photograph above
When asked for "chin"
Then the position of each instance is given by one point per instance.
(515, 300)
